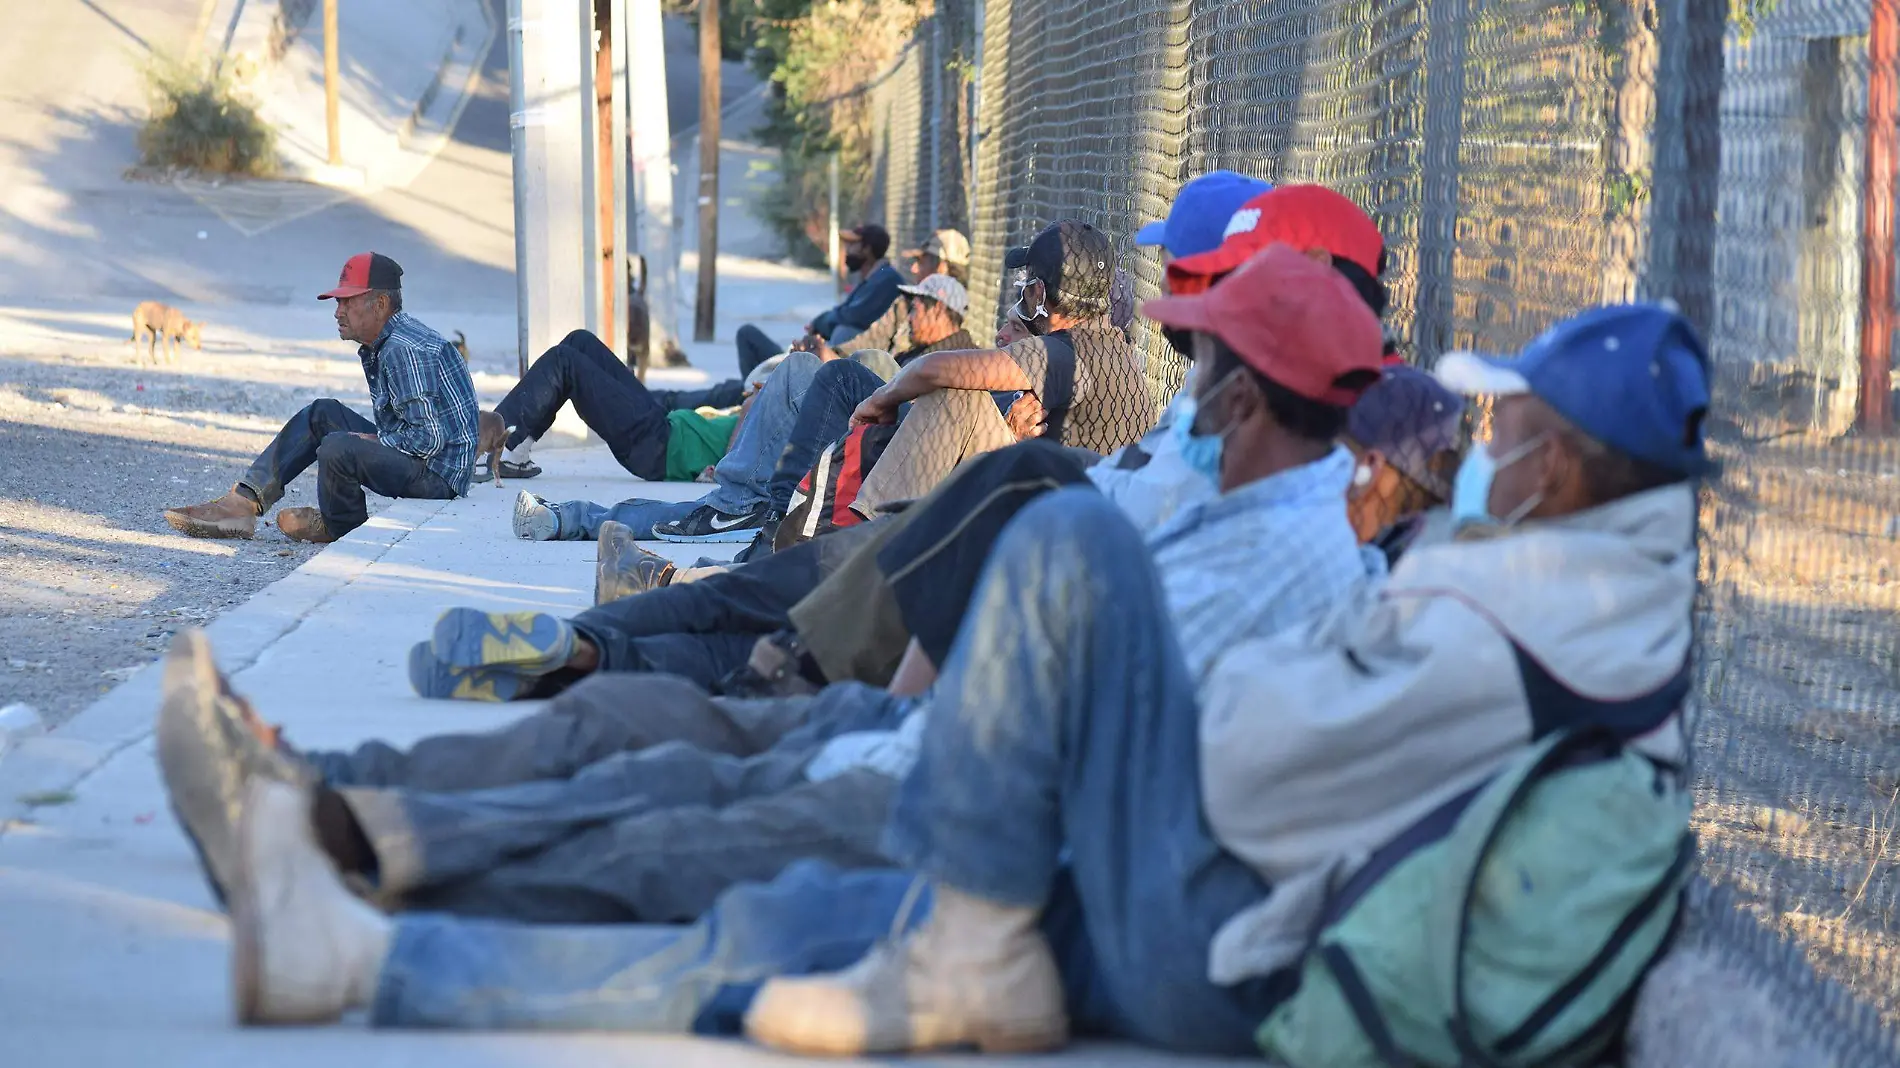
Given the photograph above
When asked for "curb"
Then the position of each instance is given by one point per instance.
(63, 759)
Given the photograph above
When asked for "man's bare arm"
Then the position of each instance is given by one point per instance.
(989, 369)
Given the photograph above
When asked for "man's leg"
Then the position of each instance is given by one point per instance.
(836, 390)
(581, 520)
(347, 464)
(746, 469)
(1064, 717)
(596, 718)
(294, 449)
(727, 394)
(942, 430)
(605, 393)
(754, 349)
(428, 842)
(446, 972)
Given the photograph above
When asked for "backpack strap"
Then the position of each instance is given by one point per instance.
(1058, 387)
(1352, 986)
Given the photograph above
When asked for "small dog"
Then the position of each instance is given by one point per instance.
(639, 320)
(492, 439)
(156, 323)
(461, 345)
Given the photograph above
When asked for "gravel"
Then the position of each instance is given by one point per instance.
(93, 448)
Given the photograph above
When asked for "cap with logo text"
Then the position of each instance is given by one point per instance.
(1303, 216)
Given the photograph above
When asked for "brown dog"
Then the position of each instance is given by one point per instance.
(492, 439)
(461, 345)
(639, 320)
(154, 323)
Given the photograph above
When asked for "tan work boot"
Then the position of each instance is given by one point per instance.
(975, 974)
(231, 516)
(304, 524)
(623, 568)
(303, 948)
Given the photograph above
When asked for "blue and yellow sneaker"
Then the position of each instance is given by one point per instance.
(526, 643)
(433, 678)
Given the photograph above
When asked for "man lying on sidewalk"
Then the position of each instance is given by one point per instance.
(739, 507)
(421, 444)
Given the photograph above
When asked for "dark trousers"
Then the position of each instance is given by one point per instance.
(609, 399)
(727, 394)
(754, 348)
(325, 434)
(836, 391)
(705, 630)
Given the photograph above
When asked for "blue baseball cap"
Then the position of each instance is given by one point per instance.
(1634, 377)
(1198, 220)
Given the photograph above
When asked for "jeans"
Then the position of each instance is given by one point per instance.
(1065, 720)
(596, 718)
(609, 399)
(727, 394)
(648, 836)
(836, 390)
(449, 972)
(323, 433)
(932, 566)
(581, 520)
(754, 349)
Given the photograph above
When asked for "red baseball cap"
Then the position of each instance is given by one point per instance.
(1303, 216)
(365, 271)
(1289, 317)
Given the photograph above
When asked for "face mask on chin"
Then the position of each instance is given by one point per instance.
(856, 261)
(1202, 452)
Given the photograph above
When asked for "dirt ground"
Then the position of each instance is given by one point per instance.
(95, 446)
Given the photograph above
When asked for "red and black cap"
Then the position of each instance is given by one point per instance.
(364, 272)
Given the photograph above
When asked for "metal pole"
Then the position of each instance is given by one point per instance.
(620, 152)
(934, 77)
(518, 145)
(330, 121)
(654, 171)
(588, 77)
(1876, 318)
(703, 312)
(831, 229)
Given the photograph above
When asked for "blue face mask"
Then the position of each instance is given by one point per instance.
(1202, 452)
(1471, 489)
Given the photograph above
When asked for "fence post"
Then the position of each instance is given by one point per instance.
(831, 228)
(1439, 200)
(1688, 159)
(1876, 313)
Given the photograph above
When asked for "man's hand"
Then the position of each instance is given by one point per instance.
(1026, 418)
(815, 345)
(368, 437)
(877, 408)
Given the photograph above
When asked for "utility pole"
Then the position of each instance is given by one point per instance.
(1877, 228)
(708, 167)
(330, 82)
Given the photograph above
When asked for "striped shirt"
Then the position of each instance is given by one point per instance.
(424, 398)
(1270, 555)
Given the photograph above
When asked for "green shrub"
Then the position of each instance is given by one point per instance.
(200, 121)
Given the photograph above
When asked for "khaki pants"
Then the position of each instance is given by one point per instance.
(942, 430)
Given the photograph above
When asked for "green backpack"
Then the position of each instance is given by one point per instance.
(1508, 929)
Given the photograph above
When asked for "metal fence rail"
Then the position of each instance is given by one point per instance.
(1525, 159)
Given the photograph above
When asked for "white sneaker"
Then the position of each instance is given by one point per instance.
(534, 520)
(303, 948)
(975, 974)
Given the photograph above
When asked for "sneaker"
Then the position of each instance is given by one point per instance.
(534, 520)
(304, 524)
(431, 678)
(709, 524)
(622, 568)
(976, 973)
(231, 516)
(528, 643)
(510, 469)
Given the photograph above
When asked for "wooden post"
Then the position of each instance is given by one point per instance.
(1876, 315)
(708, 167)
(832, 258)
(330, 82)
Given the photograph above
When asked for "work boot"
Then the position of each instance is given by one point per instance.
(304, 524)
(303, 948)
(975, 974)
(622, 568)
(231, 516)
(207, 749)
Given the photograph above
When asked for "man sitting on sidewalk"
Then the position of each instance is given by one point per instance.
(870, 297)
(421, 444)
(946, 253)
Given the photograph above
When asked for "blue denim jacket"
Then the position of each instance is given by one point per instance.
(863, 305)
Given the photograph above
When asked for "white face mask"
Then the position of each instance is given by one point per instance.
(1471, 490)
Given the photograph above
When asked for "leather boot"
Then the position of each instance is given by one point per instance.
(304, 524)
(622, 568)
(231, 516)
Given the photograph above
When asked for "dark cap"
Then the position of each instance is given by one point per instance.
(364, 272)
(1411, 419)
(1076, 264)
(873, 237)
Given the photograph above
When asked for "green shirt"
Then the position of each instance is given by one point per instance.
(695, 443)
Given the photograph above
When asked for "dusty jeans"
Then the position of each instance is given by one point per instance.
(653, 835)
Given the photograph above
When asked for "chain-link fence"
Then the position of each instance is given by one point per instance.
(1528, 158)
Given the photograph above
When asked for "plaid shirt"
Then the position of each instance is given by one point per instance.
(1270, 555)
(424, 398)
